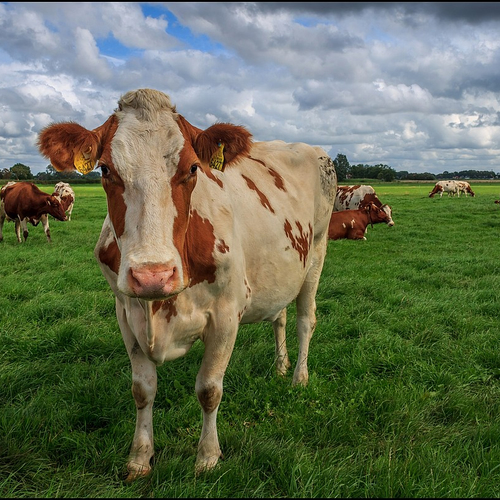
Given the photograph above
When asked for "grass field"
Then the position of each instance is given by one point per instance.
(404, 391)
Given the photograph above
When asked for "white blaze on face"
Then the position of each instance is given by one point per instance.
(146, 155)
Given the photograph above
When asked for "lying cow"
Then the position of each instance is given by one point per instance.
(64, 192)
(23, 202)
(353, 224)
(190, 263)
(450, 187)
(359, 195)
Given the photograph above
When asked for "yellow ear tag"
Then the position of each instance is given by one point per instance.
(83, 165)
(217, 160)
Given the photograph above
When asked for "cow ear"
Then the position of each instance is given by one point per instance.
(70, 146)
(236, 141)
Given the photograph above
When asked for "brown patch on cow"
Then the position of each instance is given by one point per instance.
(263, 198)
(200, 245)
(301, 243)
(140, 398)
(209, 398)
(166, 305)
(257, 160)
(209, 173)
(110, 256)
(222, 247)
(278, 180)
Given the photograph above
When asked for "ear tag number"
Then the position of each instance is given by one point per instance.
(217, 160)
(82, 164)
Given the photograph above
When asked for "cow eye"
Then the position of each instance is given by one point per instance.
(193, 169)
(104, 170)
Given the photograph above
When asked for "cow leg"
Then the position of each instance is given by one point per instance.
(279, 327)
(45, 223)
(2, 220)
(17, 227)
(144, 383)
(306, 313)
(219, 344)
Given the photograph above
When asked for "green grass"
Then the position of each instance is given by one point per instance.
(404, 391)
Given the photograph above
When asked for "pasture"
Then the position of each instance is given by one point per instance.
(404, 391)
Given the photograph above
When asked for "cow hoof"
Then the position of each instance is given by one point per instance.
(206, 464)
(134, 474)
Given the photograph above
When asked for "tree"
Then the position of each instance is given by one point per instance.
(21, 172)
(342, 167)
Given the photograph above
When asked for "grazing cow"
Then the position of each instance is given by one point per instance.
(353, 224)
(464, 187)
(352, 197)
(181, 249)
(64, 192)
(450, 187)
(23, 202)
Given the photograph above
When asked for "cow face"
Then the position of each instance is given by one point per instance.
(150, 158)
(55, 208)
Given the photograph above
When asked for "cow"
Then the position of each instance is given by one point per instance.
(23, 202)
(450, 187)
(464, 187)
(352, 197)
(205, 230)
(64, 192)
(353, 224)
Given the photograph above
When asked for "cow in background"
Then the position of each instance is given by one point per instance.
(64, 192)
(353, 224)
(23, 202)
(205, 230)
(450, 187)
(464, 187)
(359, 195)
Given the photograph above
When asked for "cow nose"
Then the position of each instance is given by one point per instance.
(390, 223)
(153, 281)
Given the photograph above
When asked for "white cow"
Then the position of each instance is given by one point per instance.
(450, 187)
(64, 192)
(191, 251)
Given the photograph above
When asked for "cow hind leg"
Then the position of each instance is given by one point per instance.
(281, 353)
(17, 228)
(306, 313)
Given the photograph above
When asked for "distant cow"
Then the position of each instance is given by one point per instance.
(23, 202)
(64, 192)
(464, 187)
(450, 187)
(352, 224)
(352, 197)
(205, 230)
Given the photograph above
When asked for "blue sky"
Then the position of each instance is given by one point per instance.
(412, 85)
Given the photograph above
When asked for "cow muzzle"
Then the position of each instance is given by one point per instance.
(154, 282)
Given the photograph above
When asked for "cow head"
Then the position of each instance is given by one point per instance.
(150, 158)
(55, 208)
(377, 214)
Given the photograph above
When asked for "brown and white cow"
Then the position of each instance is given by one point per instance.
(24, 202)
(191, 252)
(464, 187)
(353, 197)
(450, 187)
(353, 224)
(64, 192)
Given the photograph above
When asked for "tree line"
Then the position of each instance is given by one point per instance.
(344, 170)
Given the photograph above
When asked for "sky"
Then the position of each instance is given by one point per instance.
(411, 85)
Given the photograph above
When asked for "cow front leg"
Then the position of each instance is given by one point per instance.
(45, 224)
(144, 384)
(218, 349)
(281, 353)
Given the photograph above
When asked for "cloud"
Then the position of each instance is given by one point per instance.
(413, 85)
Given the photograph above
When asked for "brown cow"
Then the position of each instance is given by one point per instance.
(357, 196)
(352, 224)
(23, 202)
